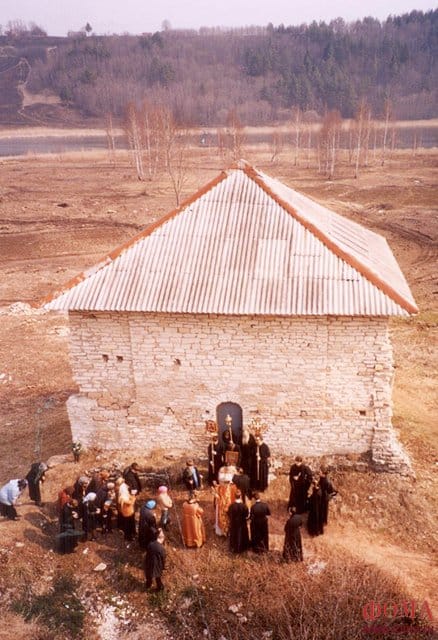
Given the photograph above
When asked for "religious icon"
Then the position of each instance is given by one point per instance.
(257, 427)
(231, 458)
(211, 427)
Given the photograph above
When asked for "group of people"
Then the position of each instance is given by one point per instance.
(237, 474)
(246, 525)
(252, 456)
(310, 494)
(108, 502)
(104, 502)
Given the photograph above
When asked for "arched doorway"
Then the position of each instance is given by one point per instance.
(235, 411)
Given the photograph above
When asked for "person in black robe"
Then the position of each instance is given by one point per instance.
(132, 478)
(315, 524)
(259, 525)
(147, 526)
(300, 479)
(293, 548)
(247, 446)
(215, 454)
(260, 465)
(191, 476)
(154, 562)
(238, 516)
(35, 477)
(227, 436)
(69, 536)
(327, 493)
(243, 484)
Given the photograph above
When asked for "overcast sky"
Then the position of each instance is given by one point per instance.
(58, 17)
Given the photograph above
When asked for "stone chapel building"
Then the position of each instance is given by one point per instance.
(252, 300)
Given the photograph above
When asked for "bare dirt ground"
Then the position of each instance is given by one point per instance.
(61, 214)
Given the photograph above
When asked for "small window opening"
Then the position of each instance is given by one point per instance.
(105, 357)
(362, 412)
(119, 358)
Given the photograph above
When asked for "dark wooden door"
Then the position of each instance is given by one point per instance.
(235, 411)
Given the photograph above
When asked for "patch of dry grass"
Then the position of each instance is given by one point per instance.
(269, 598)
(14, 626)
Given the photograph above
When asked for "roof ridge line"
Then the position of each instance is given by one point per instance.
(115, 253)
(365, 271)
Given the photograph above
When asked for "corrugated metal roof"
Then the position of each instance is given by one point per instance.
(246, 244)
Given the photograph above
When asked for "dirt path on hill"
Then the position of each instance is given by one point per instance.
(415, 570)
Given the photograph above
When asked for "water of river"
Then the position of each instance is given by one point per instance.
(27, 145)
(406, 138)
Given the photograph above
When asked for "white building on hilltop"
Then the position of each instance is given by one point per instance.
(249, 299)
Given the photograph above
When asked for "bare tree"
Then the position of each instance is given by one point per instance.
(374, 142)
(297, 121)
(175, 146)
(362, 124)
(156, 142)
(236, 134)
(388, 117)
(393, 137)
(134, 134)
(351, 125)
(152, 128)
(369, 131)
(276, 144)
(309, 143)
(329, 140)
(110, 137)
(221, 142)
(417, 140)
(15, 28)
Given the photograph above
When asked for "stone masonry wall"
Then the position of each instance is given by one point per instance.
(323, 385)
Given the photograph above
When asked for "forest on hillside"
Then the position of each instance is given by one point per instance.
(260, 73)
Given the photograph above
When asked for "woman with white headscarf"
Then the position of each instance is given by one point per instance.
(89, 516)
